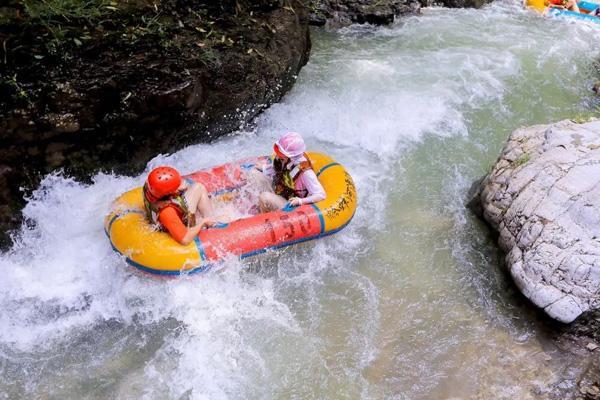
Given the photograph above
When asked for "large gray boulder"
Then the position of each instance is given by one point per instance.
(543, 198)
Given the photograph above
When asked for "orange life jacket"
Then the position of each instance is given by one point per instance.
(154, 206)
(284, 182)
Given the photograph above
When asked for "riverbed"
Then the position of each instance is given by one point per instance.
(410, 301)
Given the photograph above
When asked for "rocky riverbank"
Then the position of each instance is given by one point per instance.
(542, 197)
(336, 13)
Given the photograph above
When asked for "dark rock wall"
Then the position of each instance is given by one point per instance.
(153, 81)
(335, 13)
(461, 3)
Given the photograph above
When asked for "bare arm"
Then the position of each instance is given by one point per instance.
(316, 192)
(193, 231)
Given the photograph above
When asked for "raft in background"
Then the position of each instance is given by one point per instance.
(149, 250)
(585, 6)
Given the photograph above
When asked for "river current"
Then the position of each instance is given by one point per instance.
(410, 301)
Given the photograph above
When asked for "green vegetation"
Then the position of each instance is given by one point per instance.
(582, 118)
(58, 28)
(51, 35)
(53, 12)
(13, 91)
(149, 25)
(73, 22)
(523, 159)
(210, 58)
(61, 24)
(20, 93)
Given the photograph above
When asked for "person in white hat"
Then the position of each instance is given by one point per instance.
(294, 180)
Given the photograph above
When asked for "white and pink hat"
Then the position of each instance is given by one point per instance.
(291, 145)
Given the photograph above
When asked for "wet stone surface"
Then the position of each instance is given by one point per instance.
(542, 198)
(333, 13)
(582, 339)
(336, 13)
(148, 79)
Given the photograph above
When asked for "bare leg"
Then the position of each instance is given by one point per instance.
(258, 181)
(198, 201)
(269, 201)
(260, 185)
(571, 5)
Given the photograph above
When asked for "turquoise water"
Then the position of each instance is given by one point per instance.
(410, 301)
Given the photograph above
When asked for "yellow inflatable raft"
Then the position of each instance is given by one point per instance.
(156, 252)
(586, 10)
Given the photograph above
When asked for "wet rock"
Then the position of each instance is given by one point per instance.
(463, 3)
(63, 123)
(336, 13)
(149, 79)
(543, 197)
(578, 338)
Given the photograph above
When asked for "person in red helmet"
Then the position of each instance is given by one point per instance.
(176, 206)
(294, 181)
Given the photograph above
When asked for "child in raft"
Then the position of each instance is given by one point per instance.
(176, 206)
(294, 181)
(183, 209)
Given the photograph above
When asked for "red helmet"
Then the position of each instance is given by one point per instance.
(163, 181)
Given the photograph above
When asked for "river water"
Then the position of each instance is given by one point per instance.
(408, 302)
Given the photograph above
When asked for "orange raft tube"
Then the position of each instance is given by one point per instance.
(153, 251)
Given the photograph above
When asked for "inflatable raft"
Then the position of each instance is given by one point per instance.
(586, 8)
(153, 251)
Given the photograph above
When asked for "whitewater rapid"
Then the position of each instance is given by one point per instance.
(408, 302)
